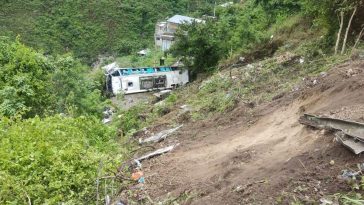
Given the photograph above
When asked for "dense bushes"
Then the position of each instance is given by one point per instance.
(53, 160)
(243, 27)
(32, 84)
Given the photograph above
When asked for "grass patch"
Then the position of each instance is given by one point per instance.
(151, 59)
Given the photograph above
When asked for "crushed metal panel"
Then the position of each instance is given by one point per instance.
(355, 146)
(351, 128)
(348, 133)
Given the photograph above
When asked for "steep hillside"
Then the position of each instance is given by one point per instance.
(231, 136)
(262, 155)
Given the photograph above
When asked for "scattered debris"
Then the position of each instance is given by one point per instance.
(348, 133)
(332, 162)
(106, 121)
(108, 114)
(162, 94)
(185, 108)
(239, 189)
(302, 60)
(137, 175)
(348, 175)
(242, 188)
(160, 136)
(157, 152)
(323, 74)
(241, 59)
(141, 180)
(326, 201)
(354, 145)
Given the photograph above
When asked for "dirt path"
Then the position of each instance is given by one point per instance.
(267, 161)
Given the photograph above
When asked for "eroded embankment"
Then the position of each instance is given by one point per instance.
(263, 155)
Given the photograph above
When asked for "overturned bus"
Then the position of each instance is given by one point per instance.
(136, 80)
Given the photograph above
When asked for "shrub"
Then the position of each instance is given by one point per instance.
(53, 160)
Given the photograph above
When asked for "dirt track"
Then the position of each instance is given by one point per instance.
(263, 155)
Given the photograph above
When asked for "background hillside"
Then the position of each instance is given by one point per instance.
(89, 28)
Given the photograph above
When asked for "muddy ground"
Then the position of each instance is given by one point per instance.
(262, 155)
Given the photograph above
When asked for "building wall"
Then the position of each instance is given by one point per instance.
(168, 29)
(166, 44)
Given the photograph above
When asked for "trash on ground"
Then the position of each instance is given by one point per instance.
(332, 162)
(348, 133)
(185, 108)
(326, 201)
(137, 175)
(160, 136)
(106, 120)
(162, 94)
(348, 175)
(157, 152)
(141, 180)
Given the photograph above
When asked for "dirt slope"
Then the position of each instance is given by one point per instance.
(263, 155)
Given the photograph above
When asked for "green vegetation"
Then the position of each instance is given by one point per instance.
(53, 146)
(32, 84)
(48, 157)
(90, 28)
(151, 59)
(250, 27)
(54, 159)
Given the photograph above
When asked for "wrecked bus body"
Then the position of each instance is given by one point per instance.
(137, 80)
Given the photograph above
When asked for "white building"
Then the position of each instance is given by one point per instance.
(164, 31)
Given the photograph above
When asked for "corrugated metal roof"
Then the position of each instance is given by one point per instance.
(178, 19)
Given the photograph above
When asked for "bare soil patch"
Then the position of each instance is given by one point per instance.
(262, 155)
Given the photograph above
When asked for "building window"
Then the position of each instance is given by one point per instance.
(130, 84)
(158, 39)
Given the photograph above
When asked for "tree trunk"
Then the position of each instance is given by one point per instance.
(347, 31)
(340, 31)
(359, 37)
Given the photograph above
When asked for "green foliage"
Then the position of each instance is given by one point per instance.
(214, 95)
(151, 59)
(24, 80)
(88, 28)
(132, 119)
(237, 28)
(32, 84)
(74, 89)
(199, 46)
(54, 160)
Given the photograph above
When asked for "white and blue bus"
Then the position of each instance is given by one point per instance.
(144, 79)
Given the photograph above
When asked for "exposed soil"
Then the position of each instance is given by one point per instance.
(262, 155)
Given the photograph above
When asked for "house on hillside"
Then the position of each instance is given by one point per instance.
(164, 31)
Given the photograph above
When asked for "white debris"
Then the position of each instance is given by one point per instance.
(325, 201)
(157, 152)
(302, 60)
(106, 120)
(160, 136)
